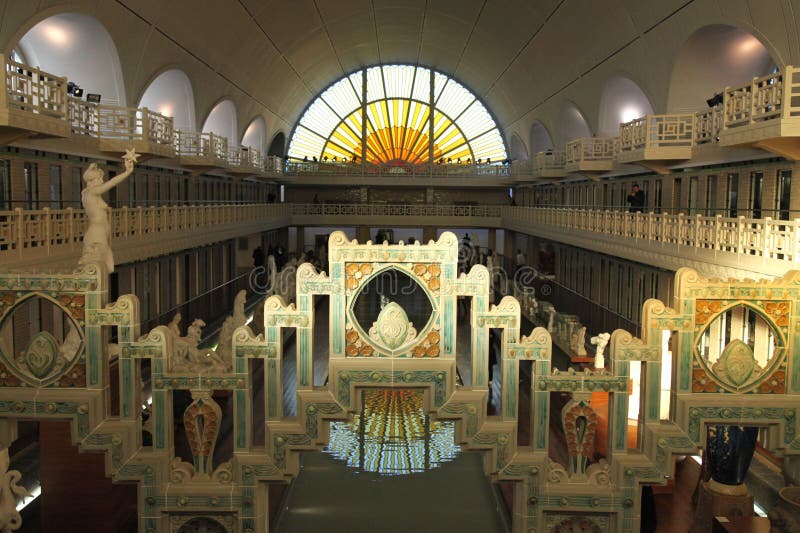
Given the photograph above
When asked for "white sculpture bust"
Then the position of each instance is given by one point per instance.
(600, 340)
(97, 239)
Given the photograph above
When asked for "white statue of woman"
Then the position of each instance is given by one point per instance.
(97, 239)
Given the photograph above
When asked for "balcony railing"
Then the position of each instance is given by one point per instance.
(35, 91)
(132, 124)
(273, 165)
(761, 99)
(34, 234)
(245, 158)
(656, 131)
(767, 238)
(590, 149)
(707, 125)
(195, 144)
(408, 210)
(299, 168)
(82, 117)
(549, 160)
(60, 231)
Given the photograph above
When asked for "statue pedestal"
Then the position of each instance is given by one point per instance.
(716, 499)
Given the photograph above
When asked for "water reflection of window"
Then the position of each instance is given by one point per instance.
(393, 435)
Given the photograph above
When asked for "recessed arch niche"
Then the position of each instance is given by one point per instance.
(79, 47)
(171, 94)
(712, 58)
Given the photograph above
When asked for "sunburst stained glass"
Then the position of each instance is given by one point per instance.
(386, 114)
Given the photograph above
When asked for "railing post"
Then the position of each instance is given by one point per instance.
(48, 231)
(71, 228)
(698, 220)
(725, 102)
(681, 224)
(740, 235)
(139, 221)
(717, 230)
(20, 230)
(753, 100)
(125, 225)
(796, 240)
(786, 93)
(145, 124)
(766, 250)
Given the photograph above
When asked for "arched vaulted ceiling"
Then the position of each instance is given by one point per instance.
(521, 57)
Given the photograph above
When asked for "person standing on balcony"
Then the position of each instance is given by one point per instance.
(97, 239)
(636, 199)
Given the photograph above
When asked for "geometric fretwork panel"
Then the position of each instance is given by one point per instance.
(393, 325)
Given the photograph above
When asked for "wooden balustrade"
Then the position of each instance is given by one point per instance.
(707, 125)
(82, 117)
(657, 131)
(48, 232)
(35, 91)
(245, 160)
(22, 230)
(201, 144)
(768, 238)
(549, 163)
(299, 168)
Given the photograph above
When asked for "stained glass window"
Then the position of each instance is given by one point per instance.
(388, 114)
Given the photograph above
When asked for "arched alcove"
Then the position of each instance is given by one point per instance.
(255, 134)
(571, 124)
(712, 58)
(622, 101)
(540, 138)
(278, 145)
(171, 94)
(79, 47)
(222, 121)
(518, 150)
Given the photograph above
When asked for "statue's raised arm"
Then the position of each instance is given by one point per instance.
(97, 239)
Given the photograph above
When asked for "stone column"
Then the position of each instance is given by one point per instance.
(301, 240)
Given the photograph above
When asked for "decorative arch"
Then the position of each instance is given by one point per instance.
(519, 152)
(622, 100)
(713, 57)
(571, 123)
(255, 134)
(170, 93)
(78, 46)
(397, 113)
(540, 138)
(221, 120)
(278, 145)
